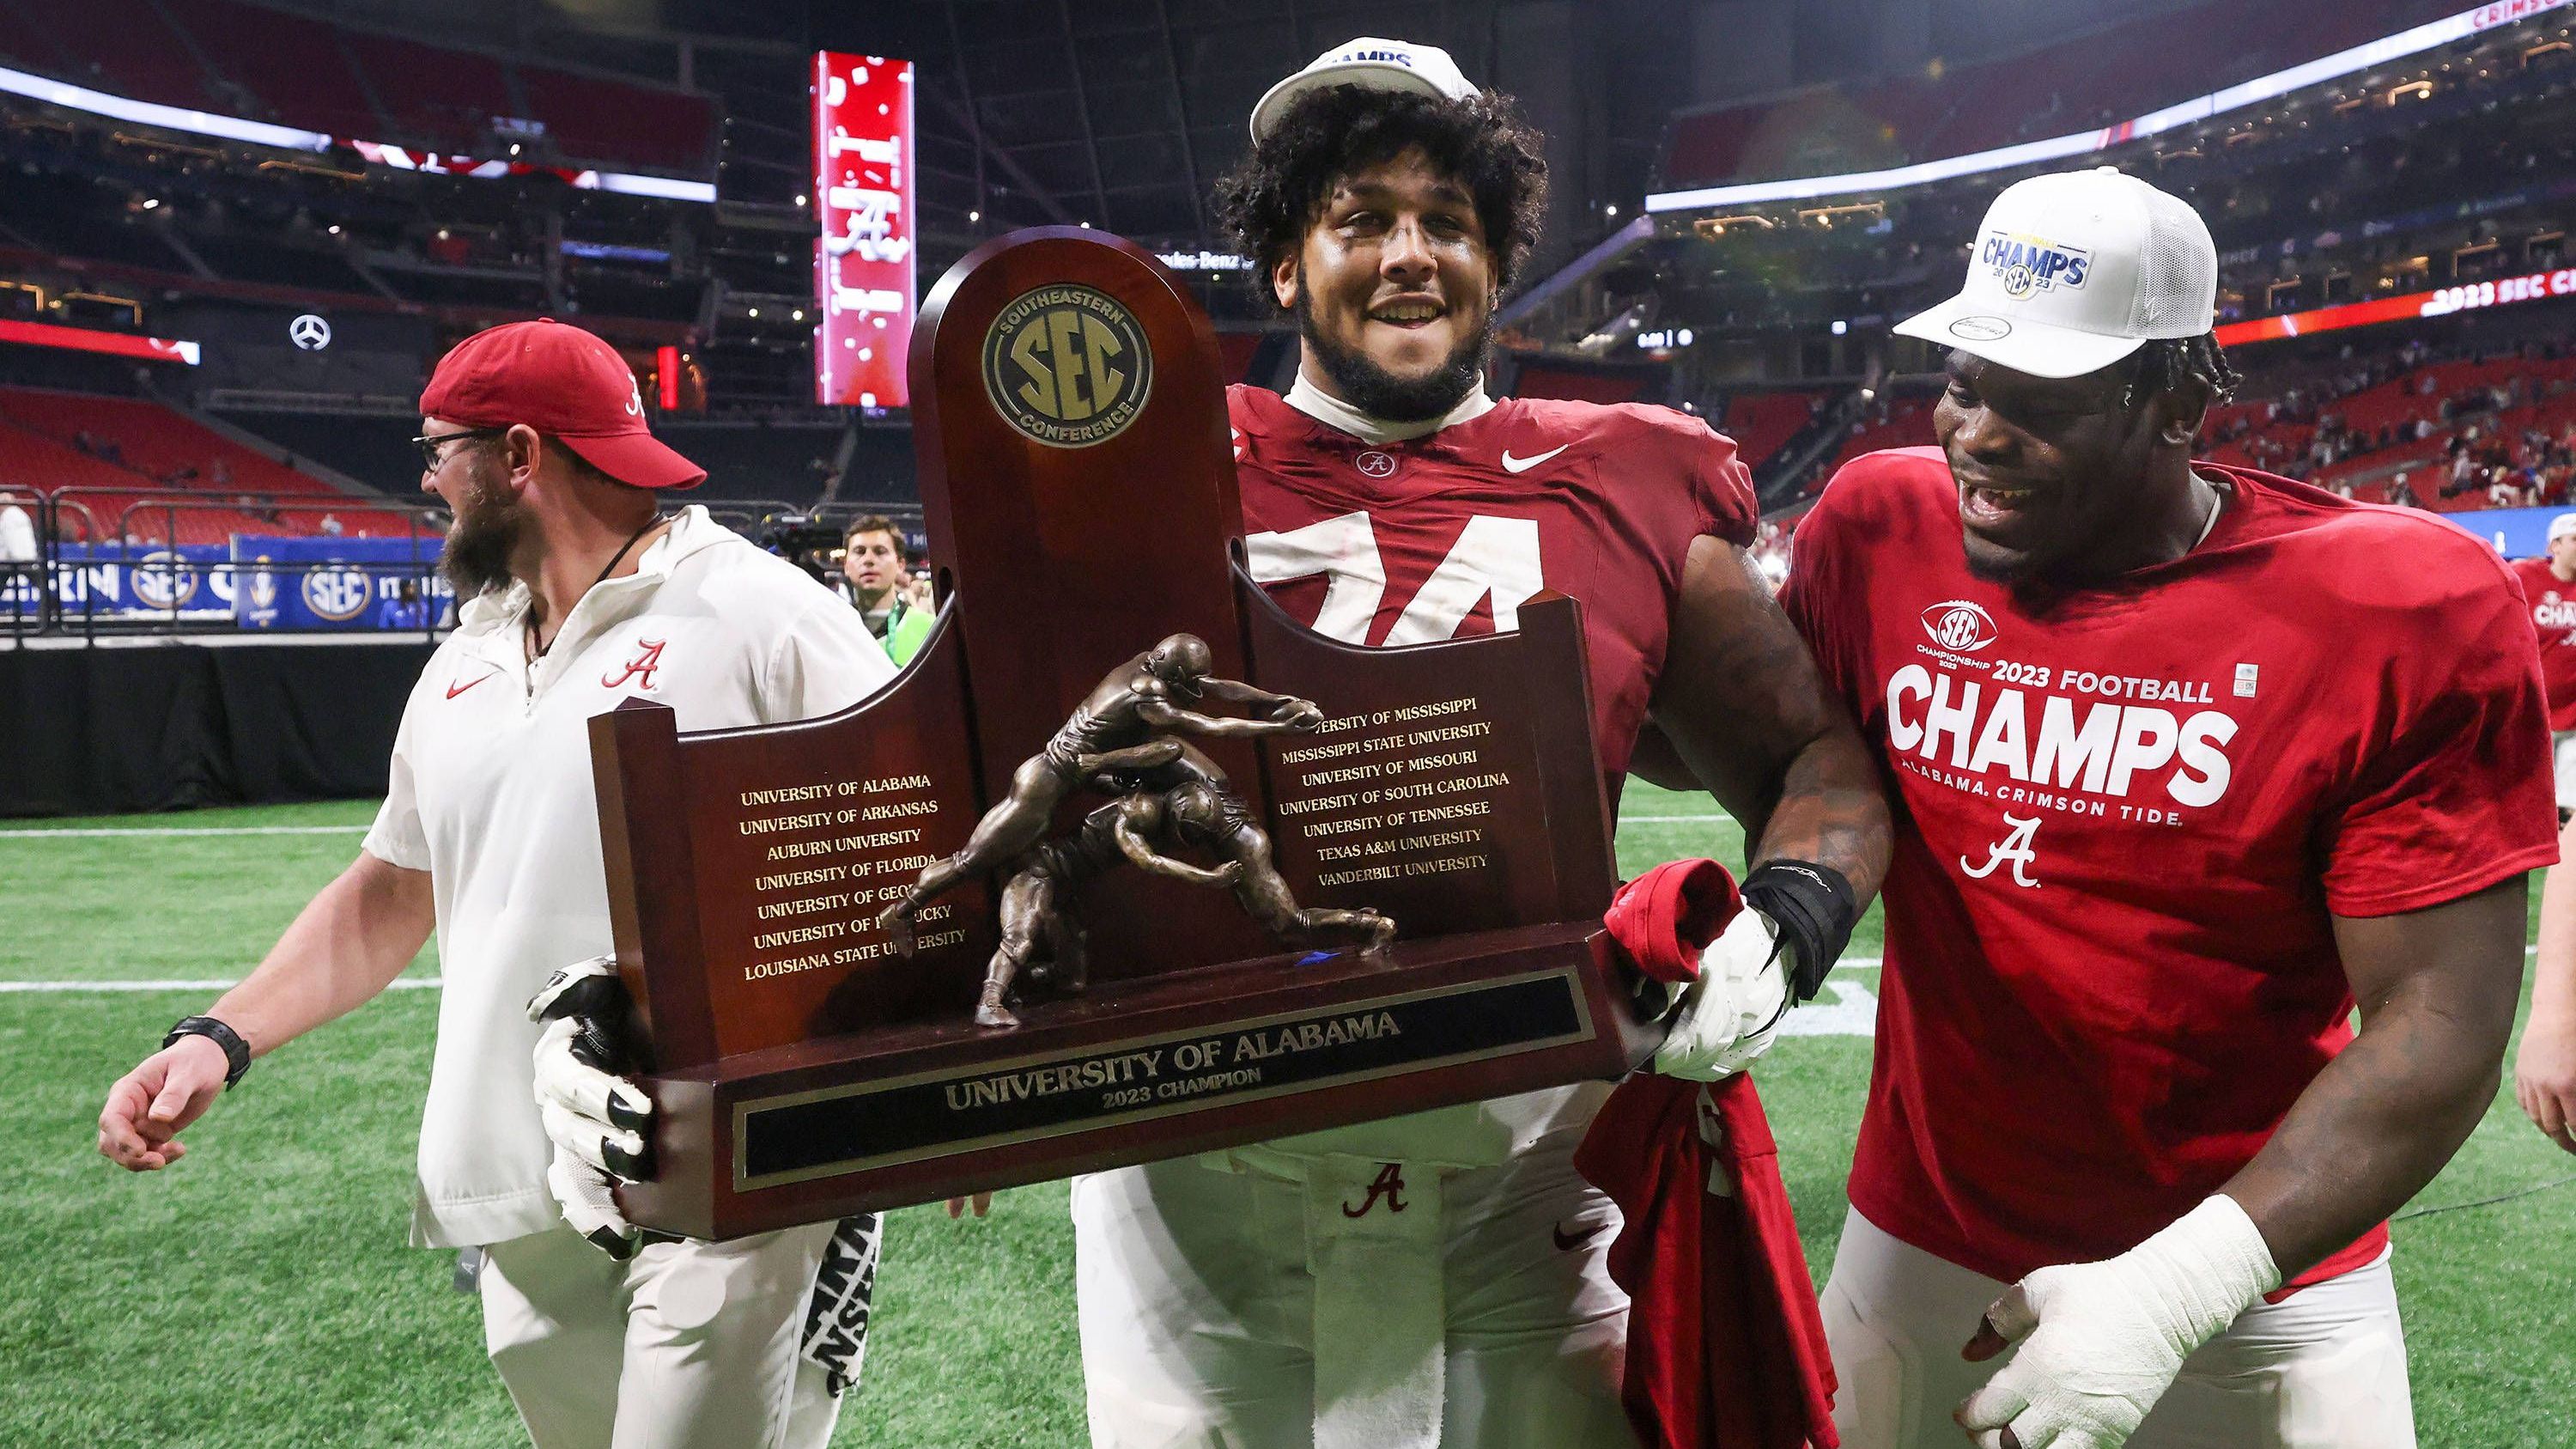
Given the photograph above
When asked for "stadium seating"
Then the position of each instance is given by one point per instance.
(1760, 422)
(2445, 400)
(1607, 384)
(2111, 74)
(782, 464)
(376, 451)
(119, 45)
(292, 69)
(356, 84)
(1907, 424)
(116, 453)
(445, 98)
(588, 116)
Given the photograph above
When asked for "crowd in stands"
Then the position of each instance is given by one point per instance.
(2449, 426)
(2446, 429)
(2371, 185)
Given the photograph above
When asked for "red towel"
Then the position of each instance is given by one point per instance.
(1725, 1347)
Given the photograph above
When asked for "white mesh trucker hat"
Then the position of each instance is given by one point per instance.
(2076, 270)
(1385, 65)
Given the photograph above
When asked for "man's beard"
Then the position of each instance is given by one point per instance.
(482, 540)
(1381, 394)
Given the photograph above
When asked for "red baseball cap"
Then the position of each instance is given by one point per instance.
(561, 381)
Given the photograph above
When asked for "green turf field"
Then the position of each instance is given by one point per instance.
(260, 1293)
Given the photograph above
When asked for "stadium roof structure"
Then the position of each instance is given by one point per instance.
(2351, 61)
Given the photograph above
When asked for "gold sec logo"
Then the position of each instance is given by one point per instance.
(1067, 365)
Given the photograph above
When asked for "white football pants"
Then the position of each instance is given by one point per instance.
(2562, 747)
(687, 1345)
(2323, 1369)
(1252, 1300)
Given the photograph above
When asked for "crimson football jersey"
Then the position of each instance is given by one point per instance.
(2552, 603)
(2125, 818)
(1449, 534)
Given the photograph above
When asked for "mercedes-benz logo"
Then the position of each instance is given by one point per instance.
(309, 332)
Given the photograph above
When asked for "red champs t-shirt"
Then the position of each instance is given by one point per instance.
(1449, 534)
(2552, 603)
(2125, 818)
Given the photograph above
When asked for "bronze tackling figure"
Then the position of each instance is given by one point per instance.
(1168, 795)
(1140, 702)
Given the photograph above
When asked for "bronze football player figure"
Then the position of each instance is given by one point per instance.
(1142, 700)
(1169, 794)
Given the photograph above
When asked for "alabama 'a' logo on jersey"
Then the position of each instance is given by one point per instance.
(640, 669)
(1493, 560)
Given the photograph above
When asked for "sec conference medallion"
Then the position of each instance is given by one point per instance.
(1067, 365)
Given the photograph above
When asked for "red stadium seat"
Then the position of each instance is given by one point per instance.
(292, 65)
(1760, 422)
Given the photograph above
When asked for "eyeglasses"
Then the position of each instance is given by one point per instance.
(433, 446)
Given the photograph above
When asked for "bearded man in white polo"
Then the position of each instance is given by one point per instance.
(577, 594)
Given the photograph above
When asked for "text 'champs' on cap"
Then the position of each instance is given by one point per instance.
(1386, 65)
(2071, 272)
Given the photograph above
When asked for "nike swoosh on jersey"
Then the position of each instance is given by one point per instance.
(1523, 465)
(454, 690)
(1567, 1242)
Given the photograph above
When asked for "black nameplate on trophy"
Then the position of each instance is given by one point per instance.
(1023, 1099)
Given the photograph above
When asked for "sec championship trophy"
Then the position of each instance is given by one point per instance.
(1126, 864)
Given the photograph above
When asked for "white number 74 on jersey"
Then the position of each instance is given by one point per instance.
(1496, 556)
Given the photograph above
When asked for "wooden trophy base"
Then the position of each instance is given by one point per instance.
(1137, 1070)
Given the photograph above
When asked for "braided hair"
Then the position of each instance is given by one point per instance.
(2173, 364)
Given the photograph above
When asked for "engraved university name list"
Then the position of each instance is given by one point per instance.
(828, 854)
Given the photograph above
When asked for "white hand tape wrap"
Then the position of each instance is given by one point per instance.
(1728, 1015)
(2105, 1339)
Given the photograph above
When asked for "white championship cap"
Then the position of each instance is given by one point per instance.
(2076, 270)
(1383, 65)
(2561, 526)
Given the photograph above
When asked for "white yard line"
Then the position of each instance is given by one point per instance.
(400, 983)
(432, 983)
(187, 830)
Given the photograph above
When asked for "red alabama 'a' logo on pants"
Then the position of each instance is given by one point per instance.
(648, 658)
(1387, 1186)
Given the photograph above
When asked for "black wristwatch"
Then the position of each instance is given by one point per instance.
(236, 1051)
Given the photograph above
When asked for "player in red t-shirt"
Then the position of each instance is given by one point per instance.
(1441, 1278)
(2173, 792)
(2544, 1068)
(2549, 591)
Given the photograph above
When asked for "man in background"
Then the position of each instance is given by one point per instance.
(879, 587)
(2544, 1068)
(19, 557)
(2549, 591)
(17, 530)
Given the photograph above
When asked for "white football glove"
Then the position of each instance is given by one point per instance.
(2106, 1339)
(599, 1122)
(1728, 1015)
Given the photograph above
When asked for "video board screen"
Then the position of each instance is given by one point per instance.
(863, 260)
